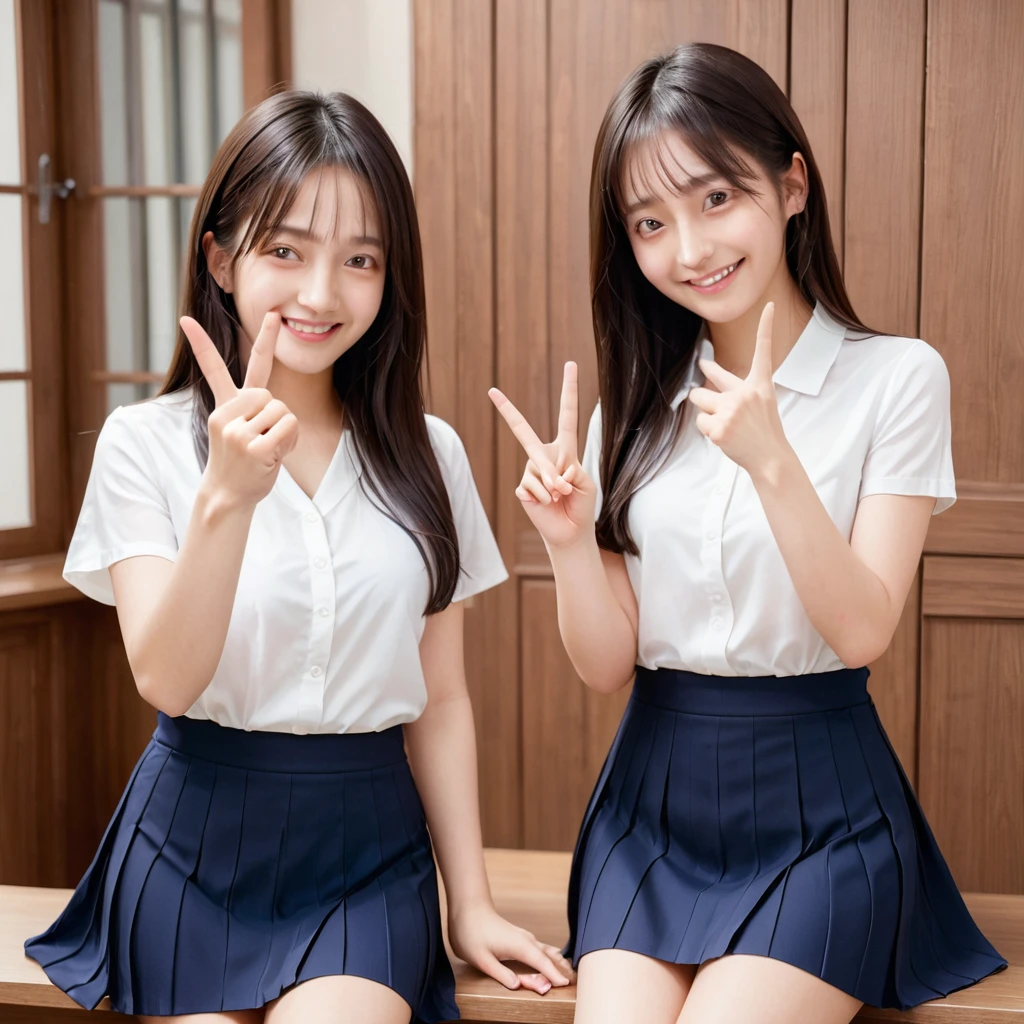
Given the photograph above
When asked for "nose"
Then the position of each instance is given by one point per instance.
(694, 248)
(319, 291)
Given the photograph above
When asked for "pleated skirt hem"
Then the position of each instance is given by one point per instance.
(219, 886)
(770, 817)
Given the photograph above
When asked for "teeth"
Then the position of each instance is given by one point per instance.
(309, 328)
(716, 277)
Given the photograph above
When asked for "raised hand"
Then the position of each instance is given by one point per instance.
(251, 432)
(742, 416)
(557, 494)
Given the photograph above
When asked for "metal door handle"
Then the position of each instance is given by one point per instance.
(47, 189)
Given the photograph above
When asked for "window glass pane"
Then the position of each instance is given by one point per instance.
(12, 288)
(113, 95)
(228, 28)
(123, 279)
(10, 135)
(162, 283)
(157, 110)
(197, 107)
(127, 394)
(15, 499)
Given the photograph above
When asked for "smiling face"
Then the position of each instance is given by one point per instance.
(322, 269)
(699, 239)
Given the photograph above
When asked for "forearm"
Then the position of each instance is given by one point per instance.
(845, 600)
(178, 643)
(442, 753)
(598, 636)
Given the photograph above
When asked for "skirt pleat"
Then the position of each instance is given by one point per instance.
(769, 817)
(228, 874)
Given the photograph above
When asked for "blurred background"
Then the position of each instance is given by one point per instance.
(110, 113)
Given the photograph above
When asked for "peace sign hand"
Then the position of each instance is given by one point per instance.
(558, 495)
(742, 416)
(251, 432)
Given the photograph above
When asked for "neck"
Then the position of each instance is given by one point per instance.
(734, 341)
(311, 397)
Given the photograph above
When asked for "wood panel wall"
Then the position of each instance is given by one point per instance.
(912, 110)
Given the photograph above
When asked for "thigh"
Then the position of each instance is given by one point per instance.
(225, 1017)
(339, 999)
(614, 986)
(759, 990)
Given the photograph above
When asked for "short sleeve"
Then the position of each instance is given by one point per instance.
(591, 460)
(124, 513)
(911, 450)
(482, 567)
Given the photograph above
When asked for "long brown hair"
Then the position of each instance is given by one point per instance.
(724, 105)
(254, 180)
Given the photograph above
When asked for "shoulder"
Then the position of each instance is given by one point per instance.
(444, 439)
(153, 429)
(891, 363)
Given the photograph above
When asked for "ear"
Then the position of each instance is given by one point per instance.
(219, 263)
(794, 186)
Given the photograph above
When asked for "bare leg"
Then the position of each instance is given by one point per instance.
(618, 987)
(339, 999)
(758, 990)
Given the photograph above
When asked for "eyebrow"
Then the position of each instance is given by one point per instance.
(307, 236)
(690, 185)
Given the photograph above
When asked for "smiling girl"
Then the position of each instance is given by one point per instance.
(288, 540)
(762, 470)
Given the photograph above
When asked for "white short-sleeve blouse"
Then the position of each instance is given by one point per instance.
(865, 415)
(324, 634)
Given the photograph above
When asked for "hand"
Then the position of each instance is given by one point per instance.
(483, 938)
(557, 494)
(742, 416)
(251, 432)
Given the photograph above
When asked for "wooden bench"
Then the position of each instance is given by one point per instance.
(529, 888)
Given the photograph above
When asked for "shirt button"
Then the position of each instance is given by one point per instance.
(716, 598)
(320, 563)
(716, 623)
(711, 535)
(315, 671)
(312, 517)
(325, 612)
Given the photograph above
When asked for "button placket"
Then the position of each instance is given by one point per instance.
(720, 618)
(321, 618)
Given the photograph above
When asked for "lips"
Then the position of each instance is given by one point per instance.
(309, 330)
(715, 281)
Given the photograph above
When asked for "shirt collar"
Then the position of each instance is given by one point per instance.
(805, 367)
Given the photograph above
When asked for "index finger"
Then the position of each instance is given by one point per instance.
(210, 362)
(532, 444)
(761, 365)
(569, 411)
(261, 358)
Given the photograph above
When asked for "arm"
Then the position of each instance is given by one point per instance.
(174, 615)
(853, 592)
(442, 754)
(597, 609)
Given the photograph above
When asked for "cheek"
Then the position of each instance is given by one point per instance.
(656, 258)
(364, 298)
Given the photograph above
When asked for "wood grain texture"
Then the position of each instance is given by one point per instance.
(884, 88)
(567, 728)
(894, 683)
(817, 91)
(984, 588)
(529, 889)
(987, 519)
(973, 209)
(971, 780)
(35, 582)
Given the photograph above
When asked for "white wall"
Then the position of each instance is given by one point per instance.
(362, 47)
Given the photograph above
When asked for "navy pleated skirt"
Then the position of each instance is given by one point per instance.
(240, 863)
(771, 817)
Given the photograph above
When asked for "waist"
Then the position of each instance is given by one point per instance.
(692, 693)
(278, 751)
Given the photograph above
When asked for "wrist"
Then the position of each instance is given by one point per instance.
(772, 472)
(461, 904)
(215, 506)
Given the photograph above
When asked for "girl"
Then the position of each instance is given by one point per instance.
(288, 540)
(762, 470)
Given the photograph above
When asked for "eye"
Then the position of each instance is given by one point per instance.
(282, 252)
(647, 226)
(716, 198)
(362, 262)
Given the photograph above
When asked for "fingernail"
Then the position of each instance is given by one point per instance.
(545, 988)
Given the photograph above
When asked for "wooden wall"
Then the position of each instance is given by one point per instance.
(913, 109)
